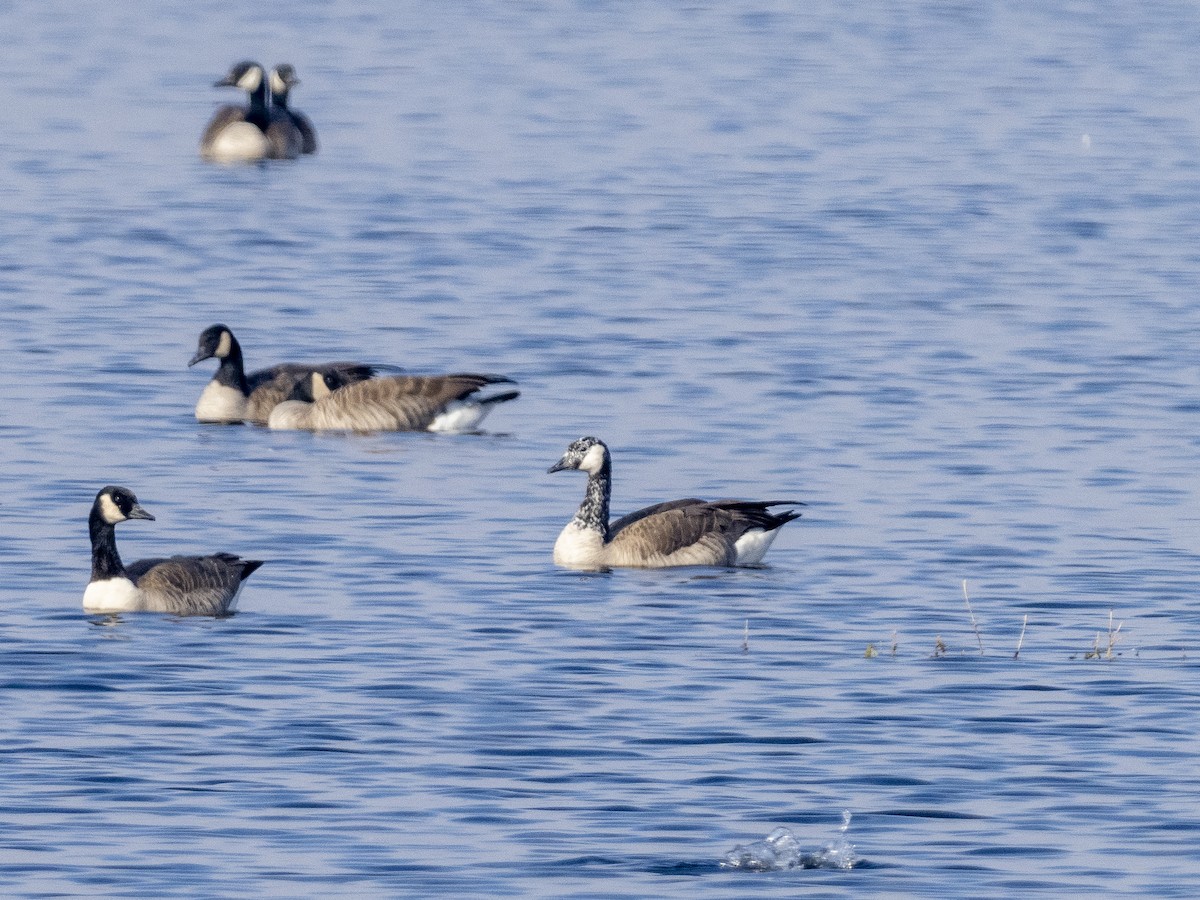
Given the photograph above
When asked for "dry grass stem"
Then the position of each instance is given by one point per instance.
(1021, 639)
(974, 624)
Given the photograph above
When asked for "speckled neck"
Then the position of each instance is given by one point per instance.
(593, 511)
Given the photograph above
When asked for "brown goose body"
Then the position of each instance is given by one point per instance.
(392, 403)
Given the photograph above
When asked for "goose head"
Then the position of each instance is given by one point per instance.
(315, 385)
(117, 504)
(588, 454)
(246, 75)
(283, 79)
(215, 342)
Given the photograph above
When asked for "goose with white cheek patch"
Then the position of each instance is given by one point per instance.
(182, 585)
(239, 133)
(283, 79)
(676, 533)
(233, 396)
(442, 403)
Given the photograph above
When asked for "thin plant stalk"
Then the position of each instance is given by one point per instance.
(974, 624)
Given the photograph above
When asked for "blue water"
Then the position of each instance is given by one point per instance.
(931, 269)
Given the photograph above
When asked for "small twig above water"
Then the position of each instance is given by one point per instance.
(974, 624)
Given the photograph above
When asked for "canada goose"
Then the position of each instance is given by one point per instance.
(248, 133)
(395, 403)
(239, 133)
(183, 585)
(283, 79)
(677, 533)
(233, 396)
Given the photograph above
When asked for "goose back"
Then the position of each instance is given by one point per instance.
(393, 403)
(192, 585)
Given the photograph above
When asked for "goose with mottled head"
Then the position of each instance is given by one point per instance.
(687, 532)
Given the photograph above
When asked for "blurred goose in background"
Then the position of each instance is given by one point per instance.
(676, 533)
(253, 132)
(233, 396)
(444, 403)
(183, 585)
(283, 79)
(239, 133)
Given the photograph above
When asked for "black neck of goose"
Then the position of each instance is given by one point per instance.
(593, 511)
(258, 114)
(232, 371)
(280, 98)
(106, 562)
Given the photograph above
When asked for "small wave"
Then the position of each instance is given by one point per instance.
(781, 850)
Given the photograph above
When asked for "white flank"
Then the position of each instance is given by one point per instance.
(112, 595)
(221, 403)
(752, 546)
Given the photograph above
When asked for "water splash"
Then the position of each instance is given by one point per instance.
(781, 850)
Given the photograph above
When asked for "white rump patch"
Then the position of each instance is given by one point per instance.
(753, 545)
(460, 416)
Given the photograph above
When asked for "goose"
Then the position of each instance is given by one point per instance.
(283, 79)
(443, 403)
(233, 396)
(183, 585)
(676, 533)
(239, 133)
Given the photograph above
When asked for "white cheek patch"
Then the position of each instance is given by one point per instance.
(111, 512)
(593, 460)
(319, 387)
(251, 80)
(277, 85)
(224, 345)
